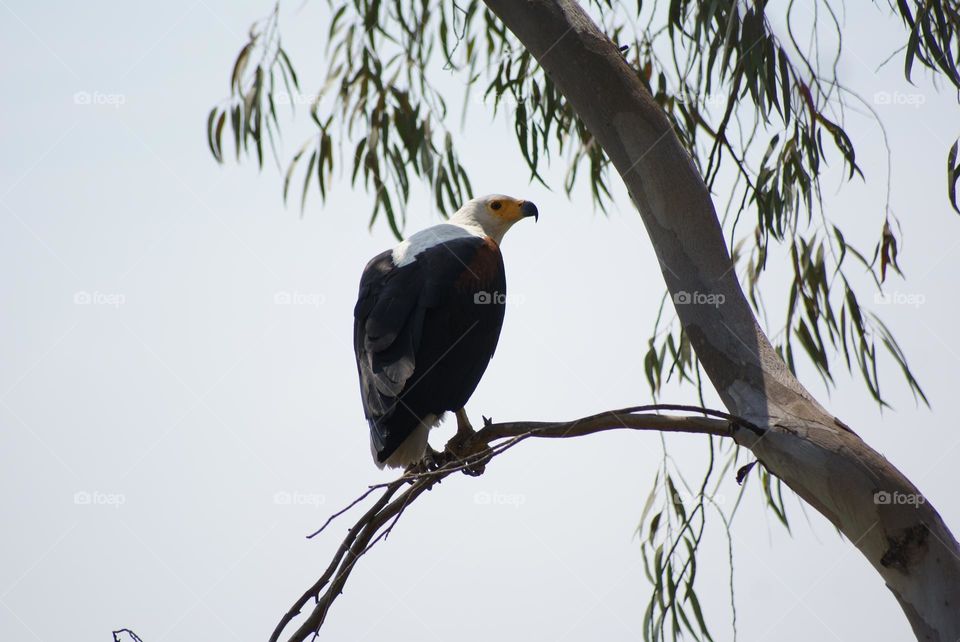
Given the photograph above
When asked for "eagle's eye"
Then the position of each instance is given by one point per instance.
(495, 205)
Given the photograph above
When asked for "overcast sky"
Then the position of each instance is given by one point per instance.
(170, 429)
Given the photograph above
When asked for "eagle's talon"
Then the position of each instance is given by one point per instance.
(432, 460)
(478, 467)
(487, 421)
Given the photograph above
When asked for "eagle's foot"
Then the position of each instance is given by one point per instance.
(415, 469)
(432, 460)
(460, 442)
(473, 457)
(464, 450)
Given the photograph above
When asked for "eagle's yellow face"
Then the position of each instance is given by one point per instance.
(494, 214)
(510, 210)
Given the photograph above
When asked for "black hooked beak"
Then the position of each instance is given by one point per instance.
(529, 209)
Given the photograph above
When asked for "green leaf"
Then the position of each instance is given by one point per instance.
(953, 176)
(289, 66)
(306, 180)
(214, 132)
(240, 65)
(649, 503)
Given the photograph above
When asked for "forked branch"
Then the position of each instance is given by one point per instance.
(490, 441)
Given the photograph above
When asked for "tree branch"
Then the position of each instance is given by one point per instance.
(376, 524)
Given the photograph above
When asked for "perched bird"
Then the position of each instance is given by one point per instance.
(426, 324)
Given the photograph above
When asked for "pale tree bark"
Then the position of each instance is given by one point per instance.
(812, 451)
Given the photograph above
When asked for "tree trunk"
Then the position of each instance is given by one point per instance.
(812, 451)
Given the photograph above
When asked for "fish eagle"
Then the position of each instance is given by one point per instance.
(426, 323)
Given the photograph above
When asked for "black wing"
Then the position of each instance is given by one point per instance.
(424, 334)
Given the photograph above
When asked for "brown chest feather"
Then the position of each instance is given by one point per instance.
(483, 269)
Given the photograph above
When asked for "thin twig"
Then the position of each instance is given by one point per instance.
(345, 509)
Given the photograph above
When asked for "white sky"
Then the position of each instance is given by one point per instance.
(185, 392)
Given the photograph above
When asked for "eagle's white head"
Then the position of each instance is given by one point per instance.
(493, 214)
